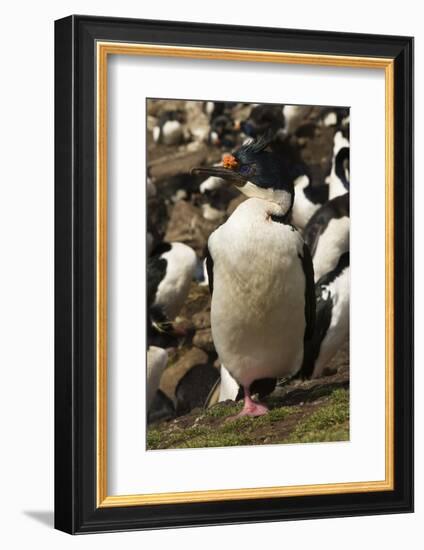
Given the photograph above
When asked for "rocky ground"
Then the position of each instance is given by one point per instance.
(305, 411)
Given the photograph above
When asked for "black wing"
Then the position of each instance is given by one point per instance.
(209, 269)
(314, 228)
(156, 270)
(310, 305)
(335, 208)
(322, 322)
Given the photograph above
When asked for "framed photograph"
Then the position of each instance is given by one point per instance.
(234, 326)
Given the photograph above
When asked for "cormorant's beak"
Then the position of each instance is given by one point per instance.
(221, 172)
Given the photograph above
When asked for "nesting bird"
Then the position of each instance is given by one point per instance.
(308, 198)
(339, 177)
(223, 131)
(170, 271)
(332, 318)
(260, 274)
(169, 129)
(157, 359)
(327, 234)
(264, 118)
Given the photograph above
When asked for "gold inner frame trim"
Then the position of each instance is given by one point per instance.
(104, 49)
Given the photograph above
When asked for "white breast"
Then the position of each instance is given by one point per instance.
(258, 301)
(338, 330)
(331, 245)
(174, 287)
(157, 359)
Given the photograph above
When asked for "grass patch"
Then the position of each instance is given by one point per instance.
(220, 411)
(213, 428)
(330, 423)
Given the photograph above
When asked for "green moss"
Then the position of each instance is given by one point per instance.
(215, 427)
(329, 423)
(220, 411)
(217, 439)
(154, 438)
(280, 414)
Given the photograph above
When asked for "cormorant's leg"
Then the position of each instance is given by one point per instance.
(250, 407)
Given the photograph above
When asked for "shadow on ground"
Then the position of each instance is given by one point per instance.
(46, 517)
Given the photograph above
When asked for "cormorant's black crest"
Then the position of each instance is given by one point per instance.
(255, 146)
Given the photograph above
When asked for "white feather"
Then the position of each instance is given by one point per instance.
(174, 287)
(333, 242)
(156, 134)
(258, 301)
(303, 209)
(157, 359)
(330, 119)
(172, 132)
(228, 388)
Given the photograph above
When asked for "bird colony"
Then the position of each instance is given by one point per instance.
(247, 273)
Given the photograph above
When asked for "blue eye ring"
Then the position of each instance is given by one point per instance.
(247, 169)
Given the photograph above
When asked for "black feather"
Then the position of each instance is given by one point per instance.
(333, 209)
(262, 386)
(341, 162)
(310, 306)
(255, 146)
(209, 269)
(308, 270)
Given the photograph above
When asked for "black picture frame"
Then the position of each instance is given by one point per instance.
(76, 510)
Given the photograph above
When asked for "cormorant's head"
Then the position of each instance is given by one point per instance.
(257, 172)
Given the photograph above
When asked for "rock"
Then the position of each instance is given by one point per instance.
(202, 319)
(199, 300)
(170, 163)
(203, 340)
(185, 361)
(187, 225)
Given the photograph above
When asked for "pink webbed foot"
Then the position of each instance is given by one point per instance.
(250, 407)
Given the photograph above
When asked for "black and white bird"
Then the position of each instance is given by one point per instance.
(327, 234)
(339, 177)
(157, 359)
(260, 274)
(223, 131)
(308, 198)
(169, 128)
(309, 195)
(262, 119)
(332, 318)
(170, 270)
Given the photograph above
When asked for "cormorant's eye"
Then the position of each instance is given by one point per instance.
(247, 169)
